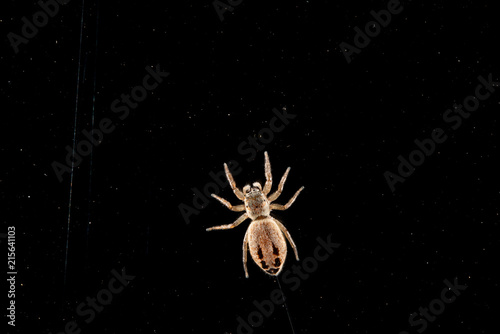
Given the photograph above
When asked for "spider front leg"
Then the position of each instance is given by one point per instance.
(269, 176)
(275, 206)
(236, 208)
(229, 176)
(277, 193)
(245, 253)
(229, 226)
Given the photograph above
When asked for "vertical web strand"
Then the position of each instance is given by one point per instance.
(74, 145)
(286, 307)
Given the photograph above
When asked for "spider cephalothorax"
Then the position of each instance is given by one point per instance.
(256, 203)
(264, 236)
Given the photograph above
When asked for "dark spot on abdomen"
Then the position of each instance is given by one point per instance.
(276, 251)
(259, 253)
(273, 271)
(277, 262)
(264, 265)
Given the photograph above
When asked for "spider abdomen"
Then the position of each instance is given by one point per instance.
(267, 245)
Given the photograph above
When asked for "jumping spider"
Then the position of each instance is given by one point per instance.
(265, 233)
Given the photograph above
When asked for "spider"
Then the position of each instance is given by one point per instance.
(265, 233)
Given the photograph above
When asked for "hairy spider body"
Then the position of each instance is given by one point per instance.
(266, 235)
(267, 245)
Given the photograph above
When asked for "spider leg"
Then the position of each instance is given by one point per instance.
(229, 226)
(288, 237)
(275, 206)
(245, 253)
(231, 207)
(269, 176)
(229, 176)
(277, 193)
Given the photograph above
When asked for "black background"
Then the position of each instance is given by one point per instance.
(352, 122)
